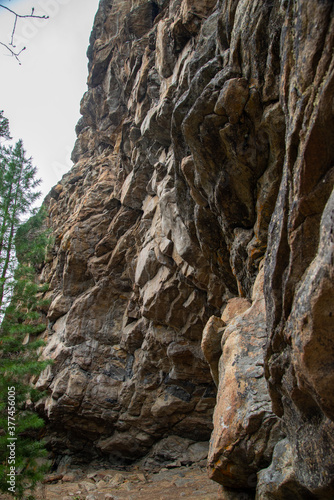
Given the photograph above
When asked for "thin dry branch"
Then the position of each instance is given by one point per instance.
(14, 54)
(10, 46)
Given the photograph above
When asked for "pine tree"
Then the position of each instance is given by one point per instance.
(17, 195)
(22, 248)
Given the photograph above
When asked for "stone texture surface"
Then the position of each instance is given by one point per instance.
(199, 213)
(101, 482)
(245, 428)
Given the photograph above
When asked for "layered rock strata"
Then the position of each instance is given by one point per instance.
(194, 244)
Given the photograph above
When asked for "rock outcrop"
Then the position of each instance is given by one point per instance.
(194, 245)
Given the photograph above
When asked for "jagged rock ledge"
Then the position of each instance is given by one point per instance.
(194, 244)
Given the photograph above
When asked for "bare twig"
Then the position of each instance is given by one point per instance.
(14, 54)
(10, 46)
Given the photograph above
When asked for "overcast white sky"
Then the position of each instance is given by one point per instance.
(41, 98)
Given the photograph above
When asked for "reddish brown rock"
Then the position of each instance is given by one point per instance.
(245, 428)
(204, 146)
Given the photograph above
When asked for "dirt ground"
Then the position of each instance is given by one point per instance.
(190, 483)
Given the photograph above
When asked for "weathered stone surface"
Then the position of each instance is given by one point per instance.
(278, 480)
(299, 261)
(204, 149)
(245, 428)
(59, 306)
(131, 483)
(175, 451)
(235, 307)
(211, 344)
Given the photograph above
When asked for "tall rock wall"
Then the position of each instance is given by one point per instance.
(194, 245)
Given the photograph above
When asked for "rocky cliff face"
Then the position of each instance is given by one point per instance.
(194, 245)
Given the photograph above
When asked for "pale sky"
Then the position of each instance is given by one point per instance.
(41, 98)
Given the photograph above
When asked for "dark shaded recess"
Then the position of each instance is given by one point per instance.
(178, 392)
(210, 392)
(155, 10)
(186, 384)
(54, 194)
(112, 401)
(99, 68)
(75, 179)
(80, 125)
(82, 449)
(140, 19)
(225, 25)
(181, 36)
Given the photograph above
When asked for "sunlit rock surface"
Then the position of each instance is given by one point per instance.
(194, 245)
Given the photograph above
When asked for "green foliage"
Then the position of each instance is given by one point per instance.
(35, 229)
(22, 249)
(17, 196)
(4, 127)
